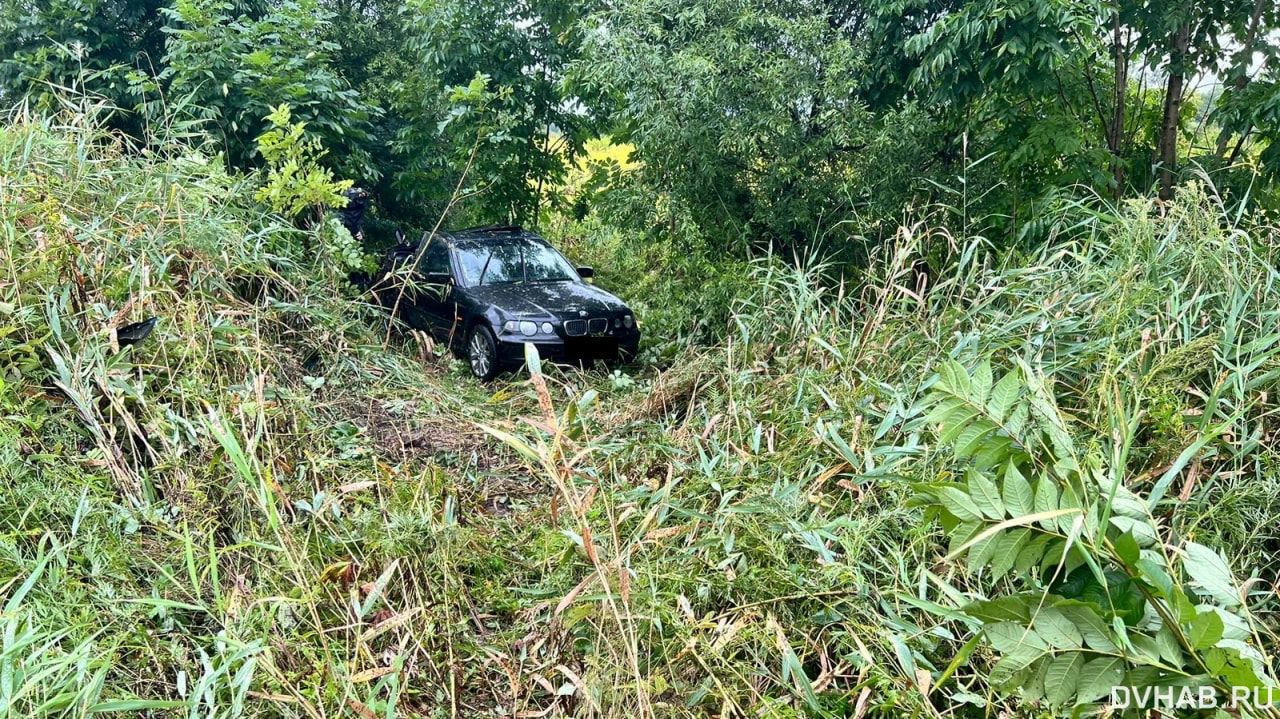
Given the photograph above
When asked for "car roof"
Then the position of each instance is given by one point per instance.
(490, 235)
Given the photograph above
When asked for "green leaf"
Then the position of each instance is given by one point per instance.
(905, 658)
(1058, 630)
(981, 550)
(958, 503)
(1162, 484)
(134, 705)
(957, 423)
(1155, 575)
(1093, 630)
(1011, 664)
(1006, 637)
(986, 495)
(961, 535)
(1063, 679)
(1068, 499)
(1003, 396)
(971, 438)
(1018, 497)
(1120, 595)
(1016, 608)
(1143, 533)
(1210, 572)
(1015, 424)
(1058, 559)
(941, 411)
(981, 383)
(954, 378)
(995, 451)
(1170, 648)
(1238, 671)
(1006, 551)
(1006, 524)
(793, 670)
(1127, 549)
(532, 359)
(15, 601)
(514, 442)
(1030, 685)
(1033, 552)
(1047, 501)
(1042, 405)
(1205, 630)
(1097, 677)
(379, 585)
(1147, 647)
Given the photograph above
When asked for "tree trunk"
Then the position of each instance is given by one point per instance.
(1115, 133)
(1173, 109)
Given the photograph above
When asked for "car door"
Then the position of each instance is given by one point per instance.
(433, 300)
(391, 288)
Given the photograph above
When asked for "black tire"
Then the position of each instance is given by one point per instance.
(482, 352)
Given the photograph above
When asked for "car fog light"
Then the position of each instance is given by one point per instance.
(628, 321)
(547, 328)
(529, 328)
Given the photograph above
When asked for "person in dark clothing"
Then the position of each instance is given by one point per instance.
(352, 216)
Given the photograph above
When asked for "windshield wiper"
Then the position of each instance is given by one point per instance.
(480, 282)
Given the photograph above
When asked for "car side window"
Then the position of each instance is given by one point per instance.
(435, 259)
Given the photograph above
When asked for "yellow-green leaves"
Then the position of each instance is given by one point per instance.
(296, 182)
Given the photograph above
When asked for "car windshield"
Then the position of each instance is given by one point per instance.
(512, 262)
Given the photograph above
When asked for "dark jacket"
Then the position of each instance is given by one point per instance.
(352, 216)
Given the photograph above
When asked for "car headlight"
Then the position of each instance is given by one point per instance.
(528, 329)
(547, 328)
(628, 321)
(510, 325)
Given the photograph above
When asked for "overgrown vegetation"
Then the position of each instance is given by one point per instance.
(957, 395)
(264, 510)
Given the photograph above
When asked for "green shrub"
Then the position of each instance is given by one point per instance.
(1102, 594)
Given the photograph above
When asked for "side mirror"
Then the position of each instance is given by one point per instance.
(438, 278)
(586, 273)
(399, 258)
(399, 235)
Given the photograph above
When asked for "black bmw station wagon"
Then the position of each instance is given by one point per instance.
(488, 291)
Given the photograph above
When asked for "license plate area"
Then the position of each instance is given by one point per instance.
(590, 348)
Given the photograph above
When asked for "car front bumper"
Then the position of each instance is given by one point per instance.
(570, 350)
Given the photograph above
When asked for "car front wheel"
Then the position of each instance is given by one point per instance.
(482, 353)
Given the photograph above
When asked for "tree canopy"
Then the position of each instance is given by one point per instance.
(754, 123)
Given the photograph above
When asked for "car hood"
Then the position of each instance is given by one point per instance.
(562, 300)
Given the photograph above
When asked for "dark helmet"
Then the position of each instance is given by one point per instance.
(356, 197)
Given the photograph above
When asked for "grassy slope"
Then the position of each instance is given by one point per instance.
(264, 511)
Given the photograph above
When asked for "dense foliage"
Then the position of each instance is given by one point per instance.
(756, 123)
